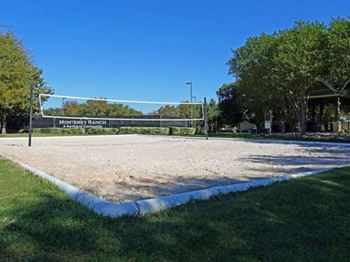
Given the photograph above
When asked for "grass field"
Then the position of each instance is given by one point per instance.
(303, 219)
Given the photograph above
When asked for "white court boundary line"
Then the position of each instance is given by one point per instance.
(154, 205)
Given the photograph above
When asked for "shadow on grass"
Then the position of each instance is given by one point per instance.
(304, 219)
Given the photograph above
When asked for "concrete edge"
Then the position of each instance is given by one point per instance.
(154, 205)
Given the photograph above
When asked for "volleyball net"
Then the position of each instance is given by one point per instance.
(70, 107)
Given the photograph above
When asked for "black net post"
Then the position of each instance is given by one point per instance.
(30, 117)
(205, 118)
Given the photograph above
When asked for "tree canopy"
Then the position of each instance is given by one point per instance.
(338, 38)
(92, 108)
(17, 75)
(276, 73)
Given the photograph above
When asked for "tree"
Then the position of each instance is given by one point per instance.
(92, 108)
(277, 72)
(214, 115)
(338, 51)
(183, 110)
(252, 65)
(17, 75)
(231, 103)
(299, 63)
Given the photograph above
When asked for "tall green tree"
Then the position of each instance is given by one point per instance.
(232, 103)
(338, 52)
(180, 111)
(214, 115)
(277, 72)
(251, 65)
(299, 61)
(17, 75)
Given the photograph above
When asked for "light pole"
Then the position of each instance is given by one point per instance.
(190, 84)
(63, 101)
(191, 97)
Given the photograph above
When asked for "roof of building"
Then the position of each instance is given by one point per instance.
(327, 90)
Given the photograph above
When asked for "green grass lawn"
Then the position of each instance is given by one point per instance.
(305, 219)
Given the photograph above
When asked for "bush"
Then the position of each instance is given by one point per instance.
(58, 131)
(182, 131)
(76, 131)
(47, 130)
(102, 131)
(73, 131)
(144, 130)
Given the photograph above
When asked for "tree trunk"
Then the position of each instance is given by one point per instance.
(338, 122)
(3, 124)
(313, 117)
(302, 116)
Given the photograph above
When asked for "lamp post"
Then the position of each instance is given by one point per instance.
(63, 101)
(190, 84)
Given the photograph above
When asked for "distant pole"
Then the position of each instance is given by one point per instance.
(191, 99)
(190, 84)
(30, 117)
(205, 118)
(63, 101)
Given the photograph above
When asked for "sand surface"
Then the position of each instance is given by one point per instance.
(130, 167)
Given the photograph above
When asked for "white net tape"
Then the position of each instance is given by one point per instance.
(56, 106)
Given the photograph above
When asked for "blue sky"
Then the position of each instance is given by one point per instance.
(147, 50)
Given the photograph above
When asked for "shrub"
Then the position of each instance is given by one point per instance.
(102, 131)
(73, 131)
(58, 131)
(182, 131)
(144, 130)
(47, 130)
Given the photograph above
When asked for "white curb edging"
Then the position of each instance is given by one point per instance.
(154, 205)
(98, 205)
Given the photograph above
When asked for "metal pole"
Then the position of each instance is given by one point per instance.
(191, 102)
(30, 117)
(205, 118)
(63, 101)
(191, 92)
(191, 97)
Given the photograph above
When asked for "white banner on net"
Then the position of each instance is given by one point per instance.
(70, 107)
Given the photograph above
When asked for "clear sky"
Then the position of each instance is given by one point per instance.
(147, 50)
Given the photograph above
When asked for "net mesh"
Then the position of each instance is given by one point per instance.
(56, 106)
